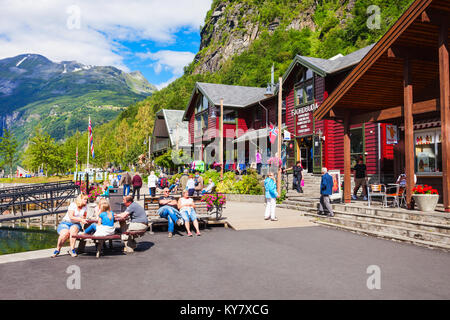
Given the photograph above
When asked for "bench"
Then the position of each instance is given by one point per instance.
(100, 240)
(151, 206)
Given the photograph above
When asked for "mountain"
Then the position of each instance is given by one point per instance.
(241, 40)
(61, 96)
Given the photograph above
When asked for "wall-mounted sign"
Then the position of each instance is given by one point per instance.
(391, 134)
(306, 109)
(303, 118)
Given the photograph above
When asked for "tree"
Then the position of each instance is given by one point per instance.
(41, 151)
(8, 150)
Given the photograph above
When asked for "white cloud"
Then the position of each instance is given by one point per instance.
(89, 31)
(173, 61)
(165, 84)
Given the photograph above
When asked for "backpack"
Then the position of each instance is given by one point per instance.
(163, 183)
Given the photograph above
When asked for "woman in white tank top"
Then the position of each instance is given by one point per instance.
(186, 207)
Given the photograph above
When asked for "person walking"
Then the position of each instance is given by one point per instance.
(271, 194)
(298, 177)
(137, 185)
(152, 180)
(126, 182)
(360, 179)
(258, 161)
(326, 189)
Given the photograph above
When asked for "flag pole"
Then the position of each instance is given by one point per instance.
(87, 156)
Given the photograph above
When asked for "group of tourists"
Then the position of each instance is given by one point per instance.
(135, 182)
(76, 220)
(193, 183)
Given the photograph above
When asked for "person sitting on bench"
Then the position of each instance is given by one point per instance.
(168, 210)
(138, 221)
(105, 225)
(187, 210)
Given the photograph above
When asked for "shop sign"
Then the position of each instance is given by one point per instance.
(304, 119)
(306, 109)
(391, 134)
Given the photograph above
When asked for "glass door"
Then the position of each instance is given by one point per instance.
(317, 154)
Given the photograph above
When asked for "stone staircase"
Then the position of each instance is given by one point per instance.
(425, 229)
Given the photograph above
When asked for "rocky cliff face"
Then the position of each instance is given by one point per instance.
(231, 26)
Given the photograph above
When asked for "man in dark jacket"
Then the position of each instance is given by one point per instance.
(137, 184)
(298, 176)
(326, 189)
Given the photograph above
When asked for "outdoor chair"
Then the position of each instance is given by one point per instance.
(395, 192)
(377, 190)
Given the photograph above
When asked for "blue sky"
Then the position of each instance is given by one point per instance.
(144, 56)
(155, 37)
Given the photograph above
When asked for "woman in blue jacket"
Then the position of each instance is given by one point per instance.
(271, 197)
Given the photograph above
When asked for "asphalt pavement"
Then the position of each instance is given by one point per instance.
(274, 264)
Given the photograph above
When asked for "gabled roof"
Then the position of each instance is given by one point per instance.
(324, 67)
(174, 121)
(407, 31)
(233, 96)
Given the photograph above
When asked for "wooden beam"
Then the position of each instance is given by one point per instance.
(396, 112)
(413, 53)
(347, 160)
(409, 131)
(436, 17)
(444, 80)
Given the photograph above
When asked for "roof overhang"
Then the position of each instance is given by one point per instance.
(375, 85)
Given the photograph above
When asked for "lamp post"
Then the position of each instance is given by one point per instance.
(280, 123)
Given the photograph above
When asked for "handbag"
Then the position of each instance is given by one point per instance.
(303, 183)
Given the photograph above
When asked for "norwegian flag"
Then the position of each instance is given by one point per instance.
(273, 133)
(91, 138)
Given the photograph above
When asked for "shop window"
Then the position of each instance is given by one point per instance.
(428, 151)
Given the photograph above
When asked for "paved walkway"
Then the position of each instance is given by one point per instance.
(250, 216)
(289, 263)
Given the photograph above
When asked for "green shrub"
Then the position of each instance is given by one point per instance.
(249, 184)
(211, 175)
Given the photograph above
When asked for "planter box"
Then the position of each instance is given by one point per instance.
(245, 198)
(426, 202)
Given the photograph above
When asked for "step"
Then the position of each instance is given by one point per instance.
(434, 217)
(407, 223)
(413, 234)
(383, 235)
(299, 202)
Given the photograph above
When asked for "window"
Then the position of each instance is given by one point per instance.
(428, 151)
(202, 104)
(229, 118)
(304, 90)
(356, 144)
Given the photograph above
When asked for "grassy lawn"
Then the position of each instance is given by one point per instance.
(36, 179)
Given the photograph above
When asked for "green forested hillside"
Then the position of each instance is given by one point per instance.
(339, 26)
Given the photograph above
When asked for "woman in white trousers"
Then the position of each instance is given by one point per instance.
(271, 197)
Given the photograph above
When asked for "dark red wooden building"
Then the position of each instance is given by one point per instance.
(306, 84)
